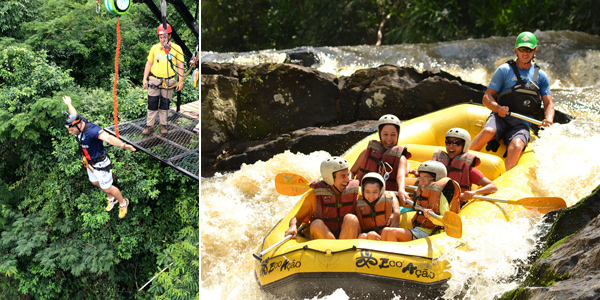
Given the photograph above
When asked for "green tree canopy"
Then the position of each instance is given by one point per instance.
(56, 239)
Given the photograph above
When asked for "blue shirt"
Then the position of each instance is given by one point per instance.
(504, 79)
(91, 145)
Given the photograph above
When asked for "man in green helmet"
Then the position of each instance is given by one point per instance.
(517, 86)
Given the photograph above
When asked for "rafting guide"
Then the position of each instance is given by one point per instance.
(95, 159)
(520, 87)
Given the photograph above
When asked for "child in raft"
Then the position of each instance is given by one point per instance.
(375, 208)
(434, 189)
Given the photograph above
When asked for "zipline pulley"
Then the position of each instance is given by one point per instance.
(118, 7)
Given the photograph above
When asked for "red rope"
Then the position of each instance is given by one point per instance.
(116, 77)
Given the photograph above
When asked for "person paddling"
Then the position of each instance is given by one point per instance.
(90, 136)
(385, 157)
(461, 164)
(376, 209)
(517, 86)
(329, 208)
(435, 192)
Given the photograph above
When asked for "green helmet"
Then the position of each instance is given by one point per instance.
(526, 39)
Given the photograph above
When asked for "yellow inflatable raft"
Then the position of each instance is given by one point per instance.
(300, 268)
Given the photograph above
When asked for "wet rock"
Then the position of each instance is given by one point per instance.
(218, 110)
(570, 267)
(302, 56)
(225, 69)
(335, 140)
(402, 91)
(280, 98)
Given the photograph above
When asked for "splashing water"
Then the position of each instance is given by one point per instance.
(238, 209)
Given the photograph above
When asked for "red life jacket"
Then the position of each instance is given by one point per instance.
(375, 157)
(329, 209)
(374, 216)
(430, 198)
(459, 169)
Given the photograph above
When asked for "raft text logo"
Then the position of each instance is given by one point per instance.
(366, 259)
(268, 268)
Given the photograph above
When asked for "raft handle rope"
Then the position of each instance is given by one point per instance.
(385, 167)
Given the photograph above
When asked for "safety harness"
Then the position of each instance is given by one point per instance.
(84, 161)
(524, 97)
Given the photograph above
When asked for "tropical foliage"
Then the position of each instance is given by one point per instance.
(244, 25)
(56, 239)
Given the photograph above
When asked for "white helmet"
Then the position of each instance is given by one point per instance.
(388, 119)
(434, 167)
(461, 134)
(332, 165)
(375, 176)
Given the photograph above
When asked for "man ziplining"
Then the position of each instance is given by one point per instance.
(90, 136)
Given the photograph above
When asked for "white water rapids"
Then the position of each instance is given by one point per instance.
(238, 209)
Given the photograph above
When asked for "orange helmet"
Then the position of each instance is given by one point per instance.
(161, 31)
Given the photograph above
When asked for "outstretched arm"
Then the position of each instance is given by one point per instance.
(67, 101)
(486, 187)
(115, 141)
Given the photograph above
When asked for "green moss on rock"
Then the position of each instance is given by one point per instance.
(516, 294)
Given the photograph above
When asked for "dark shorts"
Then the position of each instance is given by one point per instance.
(508, 128)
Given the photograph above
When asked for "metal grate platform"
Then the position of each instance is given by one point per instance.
(178, 148)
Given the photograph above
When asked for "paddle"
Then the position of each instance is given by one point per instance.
(452, 222)
(290, 184)
(526, 118)
(543, 204)
(287, 237)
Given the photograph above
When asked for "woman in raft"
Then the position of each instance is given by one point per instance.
(387, 158)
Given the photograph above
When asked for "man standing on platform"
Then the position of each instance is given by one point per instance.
(165, 60)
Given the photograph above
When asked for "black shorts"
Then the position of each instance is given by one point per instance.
(508, 128)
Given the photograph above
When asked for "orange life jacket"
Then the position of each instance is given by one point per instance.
(459, 169)
(430, 198)
(329, 209)
(374, 216)
(374, 159)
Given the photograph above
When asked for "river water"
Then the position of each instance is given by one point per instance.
(237, 209)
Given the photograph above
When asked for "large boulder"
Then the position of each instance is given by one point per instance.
(279, 98)
(219, 109)
(402, 91)
(570, 267)
(335, 140)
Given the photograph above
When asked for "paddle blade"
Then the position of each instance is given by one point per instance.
(543, 204)
(452, 224)
(290, 184)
